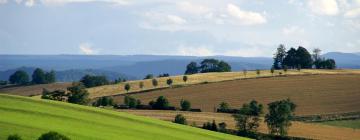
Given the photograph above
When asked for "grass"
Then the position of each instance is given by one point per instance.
(30, 118)
(355, 124)
(108, 90)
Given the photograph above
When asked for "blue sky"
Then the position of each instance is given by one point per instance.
(169, 27)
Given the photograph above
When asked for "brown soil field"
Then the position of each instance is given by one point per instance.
(115, 89)
(33, 89)
(313, 94)
(298, 129)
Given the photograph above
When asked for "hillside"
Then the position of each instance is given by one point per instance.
(32, 90)
(30, 118)
(313, 94)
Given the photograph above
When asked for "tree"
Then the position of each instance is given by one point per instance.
(104, 101)
(154, 82)
(185, 105)
(149, 76)
(38, 76)
(210, 126)
(180, 119)
(248, 117)
(141, 85)
(131, 102)
(127, 87)
(272, 70)
(53, 136)
(316, 57)
(14, 137)
(169, 82)
(279, 57)
(93, 81)
(50, 77)
(223, 106)
(224, 67)
(244, 72)
(304, 58)
(185, 78)
(161, 103)
(19, 77)
(291, 59)
(214, 65)
(330, 64)
(78, 94)
(279, 117)
(192, 68)
(258, 72)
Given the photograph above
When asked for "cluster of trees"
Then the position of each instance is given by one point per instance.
(154, 82)
(46, 136)
(39, 76)
(93, 80)
(300, 58)
(208, 65)
(212, 126)
(104, 101)
(76, 94)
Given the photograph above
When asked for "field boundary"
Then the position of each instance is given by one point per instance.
(328, 117)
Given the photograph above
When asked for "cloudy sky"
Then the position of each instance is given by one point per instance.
(169, 27)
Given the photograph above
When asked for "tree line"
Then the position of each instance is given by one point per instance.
(208, 65)
(39, 76)
(300, 58)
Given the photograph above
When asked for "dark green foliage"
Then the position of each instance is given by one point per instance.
(210, 126)
(192, 68)
(38, 76)
(169, 82)
(258, 72)
(185, 78)
(127, 87)
(185, 105)
(304, 58)
(247, 119)
(58, 95)
(104, 101)
(180, 119)
(14, 137)
(223, 106)
(160, 103)
(325, 64)
(78, 94)
(279, 57)
(131, 102)
(279, 117)
(164, 75)
(154, 82)
(214, 65)
(93, 81)
(291, 58)
(149, 76)
(19, 77)
(50, 77)
(285, 68)
(53, 136)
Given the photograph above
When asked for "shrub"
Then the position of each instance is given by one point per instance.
(161, 103)
(185, 105)
(185, 78)
(180, 119)
(14, 137)
(131, 102)
(127, 87)
(58, 95)
(53, 136)
(169, 82)
(223, 106)
(210, 126)
(104, 101)
(258, 72)
(154, 82)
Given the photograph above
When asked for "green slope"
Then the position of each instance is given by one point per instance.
(32, 117)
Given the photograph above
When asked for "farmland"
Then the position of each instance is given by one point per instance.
(32, 117)
(298, 129)
(344, 123)
(32, 90)
(313, 94)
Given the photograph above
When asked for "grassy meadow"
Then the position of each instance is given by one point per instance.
(31, 117)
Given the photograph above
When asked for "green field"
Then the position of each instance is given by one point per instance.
(31, 117)
(345, 123)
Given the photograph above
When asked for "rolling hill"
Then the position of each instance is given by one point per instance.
(31, 117)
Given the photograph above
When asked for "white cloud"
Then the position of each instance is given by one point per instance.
(245, 17)
(87, 48)
(163, 22)
(31, 3)
(293, 30)
(353, 13)
(324, 7)
(173, 19)
(192, 8)
(194, 51)
(3, 1)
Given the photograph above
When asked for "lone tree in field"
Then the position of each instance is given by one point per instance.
(248, 118)
(185, 105)
(279, 117)
(127, 87)
(160, 103)
(180, 119)
(141, 85)
(185, 78)
(258, 72)
(14, 137)
(272, 70)
(78, 94)
(154, 82)
(53, 136)
(19, 77)
(169, 82)
(245, 72)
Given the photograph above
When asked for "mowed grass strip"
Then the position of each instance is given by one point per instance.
(115, 89)
(31, 117)
(298, 129)
(313, 94)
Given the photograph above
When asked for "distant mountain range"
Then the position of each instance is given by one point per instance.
(72, 67)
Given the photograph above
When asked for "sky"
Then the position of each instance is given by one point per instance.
(248, 28)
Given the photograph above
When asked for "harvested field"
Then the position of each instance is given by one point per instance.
(115, 89)
(298, 129)
(33, 89)
(313, 94)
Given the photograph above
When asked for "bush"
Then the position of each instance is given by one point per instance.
(180, 119)
(104, 101)
(185, 105)
(57, 95)
(131, 102)
(154, 82)
(53, 136)
(210, 126)
(14, 137)
(185, 78)
(160, 103)
(127, 87)
(223, 106)
(169, 82)
(78, 94)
